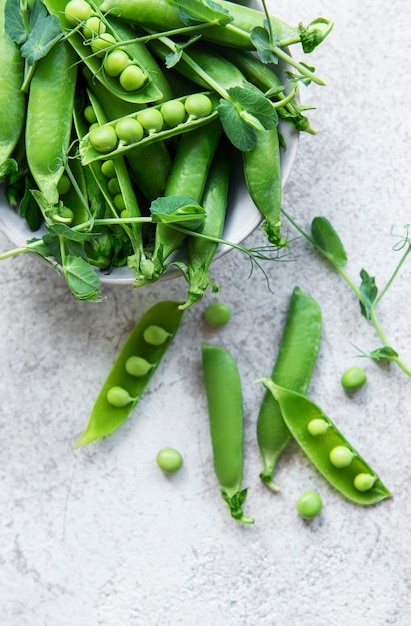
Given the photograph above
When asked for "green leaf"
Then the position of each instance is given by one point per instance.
(199, 11)
(15, 25)
(369, 292)
(385, 353)
(177, 210)
(327, 241)
(9, 166)
(239, 132)
(82, 279)
(260, 38)
(172, 58)
(45, 31)
(254, 103)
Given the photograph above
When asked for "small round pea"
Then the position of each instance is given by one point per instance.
(198, 105)
(113, 186)
(138, 366)
(169, 460)
(364, 481)
(309, 505)
(132, 78)
(129, 130)
(94, 26)
(118, 202)
(155, 335)
(317, 427)
(101, 43)
(64, 185)
(341, 456)
(90, 115)
(108, 169)
(115, 62)
(353, 378)
(118, 397)
(173, 112)
(151, 120)
(104, 139)
(217, 314)
(77, 11)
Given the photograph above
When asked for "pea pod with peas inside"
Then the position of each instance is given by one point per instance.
(326, 447)
(132, 370)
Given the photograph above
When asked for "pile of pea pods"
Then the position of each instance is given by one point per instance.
(120, 119)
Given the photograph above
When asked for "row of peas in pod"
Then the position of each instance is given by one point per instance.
(154, 90)
(284, 413)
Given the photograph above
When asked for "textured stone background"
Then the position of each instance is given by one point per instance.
(98, 536)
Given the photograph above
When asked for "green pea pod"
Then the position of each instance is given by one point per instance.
(106, 418)
(49, 118)
(353, 478)
(262, 170)
(293, 369)
(12, 100)
(225, 409)
(201, 251)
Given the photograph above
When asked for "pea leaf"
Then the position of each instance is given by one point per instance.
(369, 292)
(14, 22)
(260, 38)
(239, 132)
(385, 353)
(44, 32)
(327, 241)
(176, 210)
(254, 104)
(82, 279)
(198, 11)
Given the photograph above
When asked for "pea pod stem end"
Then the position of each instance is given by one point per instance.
(234, 502)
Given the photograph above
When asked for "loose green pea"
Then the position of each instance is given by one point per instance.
(173, 112)
(341, 456)
(115, 62)
(155, 335)
(138, 366)
(151, 119)
(118, 397)
(317, 427)
(169, 460)
(309, 505)
(108, 169)
(217, 314)
(90, 115)
(104, 138)
(353, 378)
(364, 482)
(198, 105)
(129, 130)
(132, 78)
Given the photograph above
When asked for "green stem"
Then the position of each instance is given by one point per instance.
(394, 274)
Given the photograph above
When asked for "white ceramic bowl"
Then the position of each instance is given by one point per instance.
(242, 215)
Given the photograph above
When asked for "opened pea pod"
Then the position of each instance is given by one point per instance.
(132, 370)
(327, 448)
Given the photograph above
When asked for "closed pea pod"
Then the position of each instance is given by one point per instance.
(330, 452)
(225, 409)
(123, 388)
(49, 118)
(293, 369)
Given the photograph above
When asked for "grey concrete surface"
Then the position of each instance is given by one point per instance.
(98, 536)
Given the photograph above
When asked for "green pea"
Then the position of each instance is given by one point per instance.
(217, 314)
(317, 427)
(113, 186)
(364, 481)
(93, 26)
(129, 130)
(353, 378)
(101, 43)
(108, 169)
(341, 456)
(64, 185)
(118, 202)
(77, 11)
(115, 62)
(118, 397)
(138, 366)
(309, 505)
(151, 119)
(132, 78)
(90, 115)
(173, 112)
(104, 138)
(169, 460)
(198, 105)
(155, 335)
